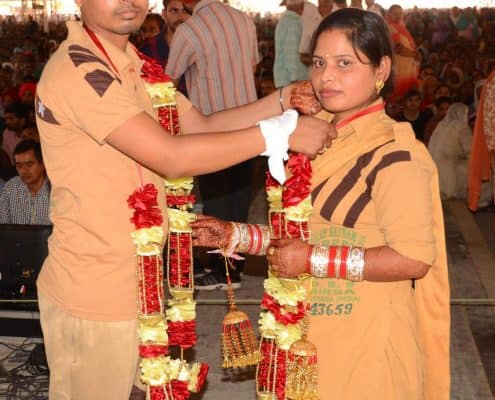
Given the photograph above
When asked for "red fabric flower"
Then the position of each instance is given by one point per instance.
(282, 316)
(182, 334)
(203, 373)
(143, 198)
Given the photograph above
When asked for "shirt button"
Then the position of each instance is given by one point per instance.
(132, 69)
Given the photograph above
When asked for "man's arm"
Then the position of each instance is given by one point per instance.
(143, 139)
(180, 57)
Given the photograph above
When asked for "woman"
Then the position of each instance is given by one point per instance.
(482, 160)
(375, 187)
(406, 57)
(449, 147)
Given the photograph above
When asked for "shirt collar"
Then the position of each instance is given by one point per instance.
(121, 59)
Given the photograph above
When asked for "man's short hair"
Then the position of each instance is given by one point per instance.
(25, 145)
(18, 109)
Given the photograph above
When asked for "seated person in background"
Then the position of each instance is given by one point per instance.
(449, 147)
(16, 118)
(441, 106)
(411, 113)
(24, 199)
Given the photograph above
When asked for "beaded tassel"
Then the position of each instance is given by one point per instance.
(239, 345)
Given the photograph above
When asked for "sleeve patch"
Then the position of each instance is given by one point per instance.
(99, 80)
(44, 113)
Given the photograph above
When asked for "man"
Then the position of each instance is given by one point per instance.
(288, 66)
(158, 46)
(311, 18)
(217, 50)
(16, 118)
(25, 198)
(101, 142)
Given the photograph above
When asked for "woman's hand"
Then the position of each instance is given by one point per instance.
(302, 98)
(211, 232)
(288, 257)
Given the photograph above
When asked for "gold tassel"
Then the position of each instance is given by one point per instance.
(239, 345)
(302, 369)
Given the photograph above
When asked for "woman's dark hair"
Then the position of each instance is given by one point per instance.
(368, 33)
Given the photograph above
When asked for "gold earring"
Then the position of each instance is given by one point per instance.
(379, 86)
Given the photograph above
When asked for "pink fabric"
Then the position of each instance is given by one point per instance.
(10, 140)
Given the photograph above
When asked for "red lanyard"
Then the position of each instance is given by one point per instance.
(98, 44)
(360, 113)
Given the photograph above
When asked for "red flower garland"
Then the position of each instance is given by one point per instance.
(281, 315)
(272, 370)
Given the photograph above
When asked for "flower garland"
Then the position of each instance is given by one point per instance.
(165, 378)
(284, 301)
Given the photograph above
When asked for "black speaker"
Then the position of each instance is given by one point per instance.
(23, 248)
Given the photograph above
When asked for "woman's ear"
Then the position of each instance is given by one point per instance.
(384, 68)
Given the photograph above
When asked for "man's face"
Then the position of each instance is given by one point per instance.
(175, 14)
(113, 18)
(12, 122)
(30, 170)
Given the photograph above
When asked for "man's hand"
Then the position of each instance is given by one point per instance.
(211, 232)
(311, 136)
(300, 95)
(287, 257)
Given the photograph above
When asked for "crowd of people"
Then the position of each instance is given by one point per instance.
(433, 71)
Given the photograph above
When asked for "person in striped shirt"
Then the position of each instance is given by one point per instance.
(216, 48)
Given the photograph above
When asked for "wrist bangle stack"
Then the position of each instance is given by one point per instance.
(253, 239)
(281, 98)
(340, 262)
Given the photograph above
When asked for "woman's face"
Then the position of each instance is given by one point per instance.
(342, 83)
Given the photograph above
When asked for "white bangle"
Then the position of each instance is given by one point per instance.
(355, 264)
(276, 132)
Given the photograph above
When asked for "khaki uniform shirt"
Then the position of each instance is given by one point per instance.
(374, 188)
(90, 269)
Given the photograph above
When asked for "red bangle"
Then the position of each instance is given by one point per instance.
(332, 252)
(259, 240)
(343, 262)
(251, 234)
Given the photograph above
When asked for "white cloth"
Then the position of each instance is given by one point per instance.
(449, 146)
(276, 131)
(310, 19)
